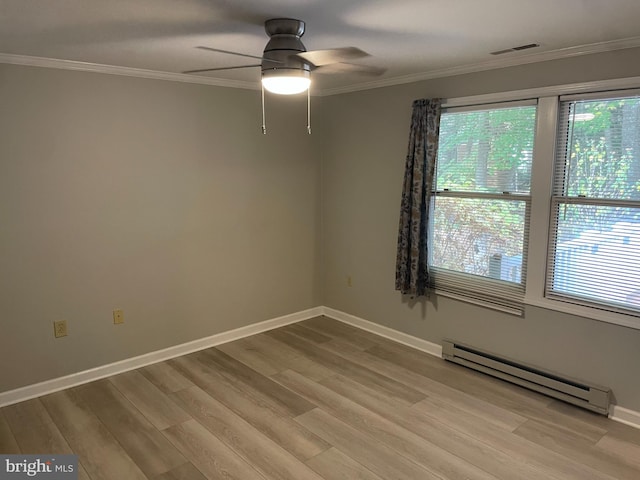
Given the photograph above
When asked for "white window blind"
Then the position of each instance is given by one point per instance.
(481, 204)
(594, 248)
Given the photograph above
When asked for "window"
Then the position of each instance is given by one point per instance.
(556, 226)
(479, 227)
(594, 253)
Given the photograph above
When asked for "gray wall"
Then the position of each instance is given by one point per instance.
(363, 165)
(163, 199)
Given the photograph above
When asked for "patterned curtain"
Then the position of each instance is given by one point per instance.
(412, 267)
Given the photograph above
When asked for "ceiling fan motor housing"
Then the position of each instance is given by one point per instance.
(283, 45)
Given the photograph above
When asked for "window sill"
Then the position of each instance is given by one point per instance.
(587, 312)
(590, 313)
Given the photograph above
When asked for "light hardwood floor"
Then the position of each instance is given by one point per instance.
(318, 400)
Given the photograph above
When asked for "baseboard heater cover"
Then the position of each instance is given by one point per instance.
(577, 392)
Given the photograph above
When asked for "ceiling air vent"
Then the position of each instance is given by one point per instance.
(516, 49)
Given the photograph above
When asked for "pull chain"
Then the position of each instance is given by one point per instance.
(309, 110)
(264, 126)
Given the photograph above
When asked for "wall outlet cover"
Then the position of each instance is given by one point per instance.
(118, 316)
(60, 328)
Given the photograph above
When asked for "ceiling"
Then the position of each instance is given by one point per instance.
(412, 39)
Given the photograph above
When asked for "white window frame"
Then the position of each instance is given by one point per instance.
(541, 189)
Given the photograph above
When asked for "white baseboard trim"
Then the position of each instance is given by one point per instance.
(75, 379)
(390, 333)
(617, 413)
(625, 415)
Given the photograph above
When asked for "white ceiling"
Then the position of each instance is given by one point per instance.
(411, 38)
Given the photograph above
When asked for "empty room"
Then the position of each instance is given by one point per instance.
(323, 240)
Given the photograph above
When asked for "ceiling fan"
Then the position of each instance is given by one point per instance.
(286, 64)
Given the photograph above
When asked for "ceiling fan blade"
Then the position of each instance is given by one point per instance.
(202, 70)
(228, 52)
(351, 68)
(334, 55)
(239, 54)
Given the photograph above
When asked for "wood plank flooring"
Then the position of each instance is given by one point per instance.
(318, 400)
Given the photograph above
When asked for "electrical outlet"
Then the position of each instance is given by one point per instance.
(118, 316)
(60, 328)
(349, 281)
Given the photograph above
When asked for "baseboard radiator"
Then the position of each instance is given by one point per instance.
(577, 392)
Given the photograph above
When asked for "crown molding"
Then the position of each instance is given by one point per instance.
(122, 71)
(502, 62)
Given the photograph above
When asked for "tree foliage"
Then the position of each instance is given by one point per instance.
(603, 148)
(491, 151)
(602, 160)
(468, 232)
(486, 150)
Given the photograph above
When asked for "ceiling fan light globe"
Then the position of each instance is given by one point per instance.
(286, 84)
